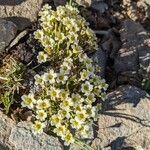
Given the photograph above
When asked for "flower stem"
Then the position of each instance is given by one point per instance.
(70, 2)
(83, 145)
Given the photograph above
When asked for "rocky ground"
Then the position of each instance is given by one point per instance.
(123, 31)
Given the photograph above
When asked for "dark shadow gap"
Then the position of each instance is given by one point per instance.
(11, 2)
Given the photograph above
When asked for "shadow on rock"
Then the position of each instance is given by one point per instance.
(119, 144)
(125, 98)
(124, 123)
(127, 94)
(11, 2)
(21, 22)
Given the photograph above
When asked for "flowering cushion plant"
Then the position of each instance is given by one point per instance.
(66, 101)
(62, 32)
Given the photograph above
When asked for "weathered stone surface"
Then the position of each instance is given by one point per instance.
(85, 3)
(2, 147)
(101, 7)
(127, 60)
(21, 12)
(5, 128)
(127, 57)
(22, 138)
(111, 43)
(100, 58)
(97, 4)
(125, 121)
(59, 2)
(135, 51)
(8, 31)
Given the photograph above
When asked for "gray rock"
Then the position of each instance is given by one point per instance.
(147, 2)
(8, 31)
(111, 43)
(88, 3)
(5, 128)
(86, 141)
(134, 52)
(100, 58)
(101, 7)
(85, 3)
(125, 121)
(126, 60)
(75, 147)
(22, 138)
(59, 2)
(2, 147)
(21, 12)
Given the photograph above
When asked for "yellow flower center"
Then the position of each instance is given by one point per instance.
(38, 126)
(86, 87)
(50, 77)
(53, 93)
(28, 101)
(61, 77)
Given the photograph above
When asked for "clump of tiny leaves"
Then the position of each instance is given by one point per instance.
(10, 82)
(146, 80)
(70, 90)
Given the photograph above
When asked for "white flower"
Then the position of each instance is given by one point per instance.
(76, 48)
(72, 37)
(50, 76)
(68, 138)
(103, 96)
(39, 80)
(28, 101)
(72, 9)
(90, 69)
(39, 34)
(84, 131)
(95, 80)
(90, 98)
(42, 57)
(43, 104)
(64, 113)
(66, 103)
(84, 75)
(59, 36)
(60, 130)
(91, 111)
(81, 115)
(75, 123)
(38, 127)
(56, 120)
(97, 91)
(63, 94)
(61, 78)
(54, 93)
(45, 10)
(82, 57)
(78, 107)
(88, 61)
(86, 87)
(76, 98)
(41, 115)
(97, 68)
(65, 68)
(69, 61)
(103, 84)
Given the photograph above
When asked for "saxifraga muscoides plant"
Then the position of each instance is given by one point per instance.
(67, 101)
